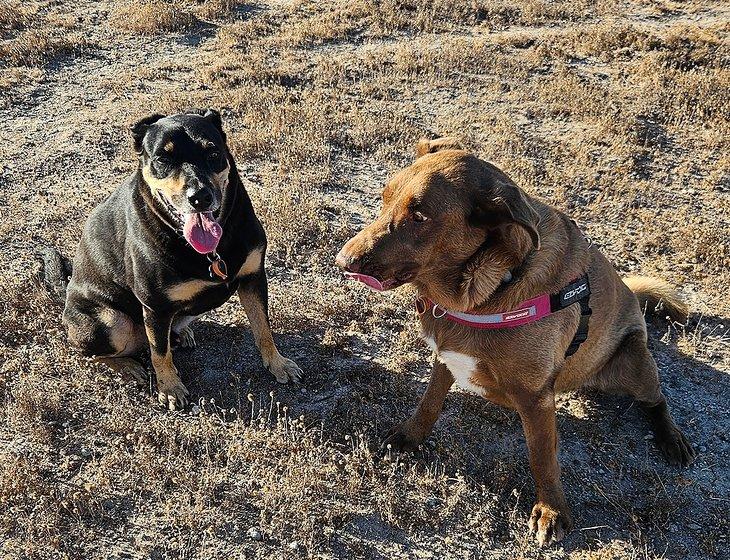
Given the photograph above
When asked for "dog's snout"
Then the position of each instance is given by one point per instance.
(201, 199)
(347, 262)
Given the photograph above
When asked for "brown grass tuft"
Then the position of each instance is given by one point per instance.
(149, 18)
(36, 47)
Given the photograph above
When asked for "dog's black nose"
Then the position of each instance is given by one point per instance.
(201, 200)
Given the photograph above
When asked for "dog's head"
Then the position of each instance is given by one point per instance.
(185, 162)
(437, 214)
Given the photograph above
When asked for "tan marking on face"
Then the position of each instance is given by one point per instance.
(169, 147)
(189, 290)
(251, 264)
(171, 186)
(123, 333)
(221, 179)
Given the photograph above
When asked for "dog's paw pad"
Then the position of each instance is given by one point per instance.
(286, 370)
(549, 525)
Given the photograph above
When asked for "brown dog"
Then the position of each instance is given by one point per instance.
(472, 242)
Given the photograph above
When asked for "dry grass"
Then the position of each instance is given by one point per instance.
(150, 18)
(32, 37)
(13, 15)
(616, 112)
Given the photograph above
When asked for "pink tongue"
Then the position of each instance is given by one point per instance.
(202, 231)
(369, 281)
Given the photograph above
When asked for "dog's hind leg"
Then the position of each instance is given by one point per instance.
(110, 337)
(632, 371)
(182, 333)
(253, 293)
(127, 367)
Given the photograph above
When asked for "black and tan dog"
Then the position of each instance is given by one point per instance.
(175, 240)
(516, 304)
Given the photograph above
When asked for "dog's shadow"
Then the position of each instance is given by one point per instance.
(619, 486)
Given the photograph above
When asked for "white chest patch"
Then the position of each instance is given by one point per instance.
(461, 366)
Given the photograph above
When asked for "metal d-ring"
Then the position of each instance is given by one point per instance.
(433, 312)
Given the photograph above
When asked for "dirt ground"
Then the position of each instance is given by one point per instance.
(617, 112)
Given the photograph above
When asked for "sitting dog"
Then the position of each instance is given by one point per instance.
(175, 240)
(516, 304)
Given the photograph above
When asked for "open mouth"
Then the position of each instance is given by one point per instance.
(200, 229)
(176, 216)
(380, 286)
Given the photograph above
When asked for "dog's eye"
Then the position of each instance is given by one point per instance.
(214, 157)
(418, 217)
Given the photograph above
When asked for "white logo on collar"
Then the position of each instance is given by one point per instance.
(574, 292)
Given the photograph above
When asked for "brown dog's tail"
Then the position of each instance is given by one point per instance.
(656, 295)
(56, 272)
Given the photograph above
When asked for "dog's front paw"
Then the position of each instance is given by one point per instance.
(285, 370)
(399, 439)
(548, 524)
(676, 447)
(173, 395)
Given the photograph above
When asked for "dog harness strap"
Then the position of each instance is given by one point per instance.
(581, 334)
(528, 311)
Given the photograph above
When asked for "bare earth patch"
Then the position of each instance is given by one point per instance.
(617, 112)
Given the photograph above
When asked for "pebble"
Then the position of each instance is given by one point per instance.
(254, 533)
(294, 545)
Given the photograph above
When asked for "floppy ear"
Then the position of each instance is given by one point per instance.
(503, 205)
(139, 129)
(215, 117)
(426, 146)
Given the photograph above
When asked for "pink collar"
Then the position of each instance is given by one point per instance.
(526, 312)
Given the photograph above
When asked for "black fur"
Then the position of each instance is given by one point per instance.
(132, 251)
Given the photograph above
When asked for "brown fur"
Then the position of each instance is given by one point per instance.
(454, 225)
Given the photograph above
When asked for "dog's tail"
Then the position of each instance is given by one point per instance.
(55, 273)
(656, 295)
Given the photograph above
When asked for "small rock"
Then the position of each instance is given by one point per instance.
(432, 502)
(254, 533)
(294, 545)
(647, 437)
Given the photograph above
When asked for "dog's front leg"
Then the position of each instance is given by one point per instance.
(253, 294)
(550, 519)
(170, 390)
(413, 431)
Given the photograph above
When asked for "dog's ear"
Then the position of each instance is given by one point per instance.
(215, 117)
(139, 129)
(426, 146)
(504, 204)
